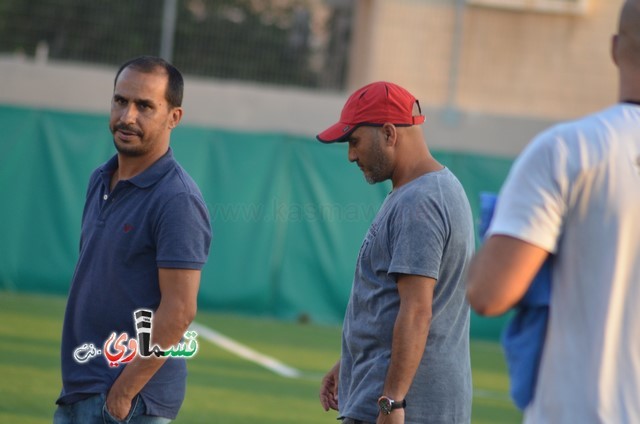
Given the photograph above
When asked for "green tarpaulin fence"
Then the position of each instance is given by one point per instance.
(288, 213)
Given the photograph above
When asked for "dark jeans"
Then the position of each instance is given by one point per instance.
(93, 411)
(352, 421)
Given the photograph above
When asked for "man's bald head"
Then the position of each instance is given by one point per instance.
(627, 43)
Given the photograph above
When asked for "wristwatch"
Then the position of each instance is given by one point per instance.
(387, 404)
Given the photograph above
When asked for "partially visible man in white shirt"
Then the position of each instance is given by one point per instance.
(574, 193)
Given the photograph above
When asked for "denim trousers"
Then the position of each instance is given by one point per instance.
(93, 410)
(352, 421)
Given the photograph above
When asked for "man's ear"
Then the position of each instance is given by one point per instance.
(176, 116)
(390, 133)
(614, 49)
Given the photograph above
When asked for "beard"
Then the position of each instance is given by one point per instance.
(128, 149)
(380, 165)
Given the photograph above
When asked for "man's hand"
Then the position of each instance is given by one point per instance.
(395, 417)
(329, 388)
(118, 405)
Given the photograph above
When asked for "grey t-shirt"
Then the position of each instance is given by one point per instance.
(423, 228)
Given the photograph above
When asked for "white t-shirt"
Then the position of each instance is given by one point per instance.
(575, 192)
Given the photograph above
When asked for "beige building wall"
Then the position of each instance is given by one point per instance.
(488, 59)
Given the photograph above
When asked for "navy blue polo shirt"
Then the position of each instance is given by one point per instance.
(157, 219)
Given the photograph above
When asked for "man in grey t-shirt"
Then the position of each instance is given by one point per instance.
(405, 345)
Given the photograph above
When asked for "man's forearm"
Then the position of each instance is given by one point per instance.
(409, 340)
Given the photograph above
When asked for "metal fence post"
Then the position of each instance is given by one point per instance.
(169, 17)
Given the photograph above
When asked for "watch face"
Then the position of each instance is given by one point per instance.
(385, 405)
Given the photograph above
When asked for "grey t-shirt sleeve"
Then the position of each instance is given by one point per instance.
(417, 236)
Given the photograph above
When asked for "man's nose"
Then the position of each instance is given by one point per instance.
(352, 154)
(129, 114)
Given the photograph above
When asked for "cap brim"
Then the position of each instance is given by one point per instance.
(336, 133)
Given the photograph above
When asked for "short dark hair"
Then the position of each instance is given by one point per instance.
(150, 64)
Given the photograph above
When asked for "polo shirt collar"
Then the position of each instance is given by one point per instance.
(146, 178)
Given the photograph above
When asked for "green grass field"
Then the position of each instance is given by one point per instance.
(222, 388)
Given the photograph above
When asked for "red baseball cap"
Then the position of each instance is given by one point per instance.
(374, 105)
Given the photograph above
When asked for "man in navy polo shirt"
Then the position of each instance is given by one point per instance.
(145, 238)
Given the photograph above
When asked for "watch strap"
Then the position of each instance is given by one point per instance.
(386, 404)
(400, 404)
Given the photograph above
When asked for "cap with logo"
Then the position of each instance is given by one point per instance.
(374, 105)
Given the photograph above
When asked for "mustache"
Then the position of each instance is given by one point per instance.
(127, 128)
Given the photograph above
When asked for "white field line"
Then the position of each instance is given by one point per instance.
(245, 352)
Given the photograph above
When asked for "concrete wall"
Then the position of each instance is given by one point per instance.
(254, 108)
(488, 59)
(210, 103)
